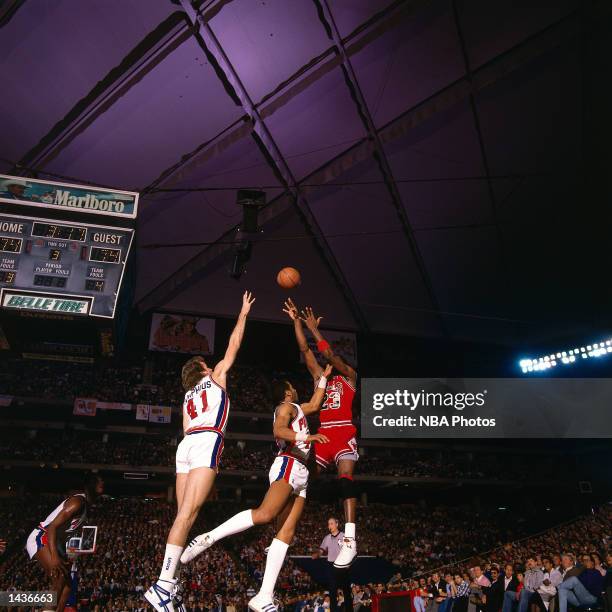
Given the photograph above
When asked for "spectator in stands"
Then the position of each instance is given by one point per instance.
(419, 601)
(607, 586)
(461, 594)
(532, 579)
(446, 603)
(493, 598)
(548, 589)
(582, 590)
(568, 568)
(437, 588)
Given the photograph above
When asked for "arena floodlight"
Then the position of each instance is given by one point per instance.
(565, 357)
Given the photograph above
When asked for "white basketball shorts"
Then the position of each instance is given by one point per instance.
(199, 449)
(292, 471)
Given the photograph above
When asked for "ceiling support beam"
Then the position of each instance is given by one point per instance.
(143, 58)
(278, 164)
(380, 155)
(486, 75)
(481, 145)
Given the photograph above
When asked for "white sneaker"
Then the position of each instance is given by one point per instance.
(262, 604)
(196, 547)
(178, 594)
(347, 554)
(159, 595)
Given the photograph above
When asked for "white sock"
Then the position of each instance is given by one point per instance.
(274, 562)
(171, 561)
(239, 522)
(349, 530)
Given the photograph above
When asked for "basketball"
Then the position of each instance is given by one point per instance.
(288, 278)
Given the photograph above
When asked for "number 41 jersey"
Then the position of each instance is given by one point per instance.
(206, 407)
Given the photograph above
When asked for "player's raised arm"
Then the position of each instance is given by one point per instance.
(282, 431)
(314, 405)
(311, 361)
(72, 508)
(222, 368)
(312, 322)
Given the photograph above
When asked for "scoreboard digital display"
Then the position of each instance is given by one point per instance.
(68, 268)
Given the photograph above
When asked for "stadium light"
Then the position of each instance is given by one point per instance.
(566, 357)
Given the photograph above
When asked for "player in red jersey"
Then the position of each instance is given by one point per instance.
(336, 418)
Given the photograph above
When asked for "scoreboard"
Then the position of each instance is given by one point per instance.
(61, 267)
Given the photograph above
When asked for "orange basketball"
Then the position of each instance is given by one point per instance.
(288, 278)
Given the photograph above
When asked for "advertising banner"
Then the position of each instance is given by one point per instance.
(180, 333)
(81, 198)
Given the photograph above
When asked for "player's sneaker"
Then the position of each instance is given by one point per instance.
(159, 595)
(347, 554)
(177, 598)
(262, 604)
(196, 547)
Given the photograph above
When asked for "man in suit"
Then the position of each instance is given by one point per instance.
(437, 590)
(494, 595)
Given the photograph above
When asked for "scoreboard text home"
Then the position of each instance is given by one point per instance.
(54, 263)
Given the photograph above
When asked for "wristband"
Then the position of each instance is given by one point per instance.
(301, 436)
(322, 382)
(322, 346)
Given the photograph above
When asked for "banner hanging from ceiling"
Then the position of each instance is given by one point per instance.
(66, 196)
(180, 333)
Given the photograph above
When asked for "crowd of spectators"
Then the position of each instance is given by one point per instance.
(417, 540)
(137, 381)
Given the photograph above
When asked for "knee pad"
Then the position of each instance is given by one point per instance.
(347, 488)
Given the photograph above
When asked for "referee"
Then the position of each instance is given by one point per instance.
(330, 548)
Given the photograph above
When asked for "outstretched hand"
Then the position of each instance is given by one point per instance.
(328, 370)
(291, 310)
(308, 316)
(247, 302)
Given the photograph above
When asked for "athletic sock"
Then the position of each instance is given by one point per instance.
(349, 530)
(171, 561)
(274, 562)
(239, 522)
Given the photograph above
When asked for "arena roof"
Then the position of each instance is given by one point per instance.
(423, 160)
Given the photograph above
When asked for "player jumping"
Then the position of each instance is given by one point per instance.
(47, 543)
(287, 493)
(336, 418)
(205, 411)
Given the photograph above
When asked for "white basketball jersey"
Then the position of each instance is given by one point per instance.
(206, 407)
(76, 522)
(299, 450)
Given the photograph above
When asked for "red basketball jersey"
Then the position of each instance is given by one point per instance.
(337, 406)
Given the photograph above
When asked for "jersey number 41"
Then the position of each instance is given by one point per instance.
(191, 408)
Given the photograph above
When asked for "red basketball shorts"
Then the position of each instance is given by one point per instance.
(342, 445)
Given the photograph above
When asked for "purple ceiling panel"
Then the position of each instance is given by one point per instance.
(267, 42)
(386, 281)
(53, 53)
(358, 201)
(317, 124)
(177, 106)
(465, 270)
(447, 203)
(350, 14)
(444, 146)
(156, 265)
(408, 63)
(223, 170)
(532, 120)
(490, 28)
(266, 260)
